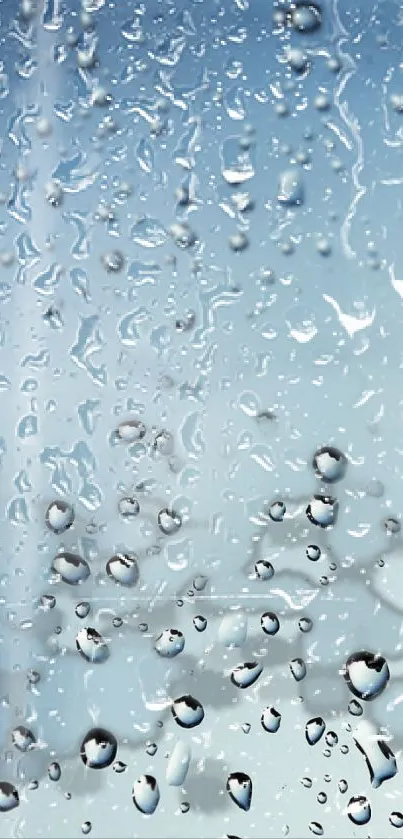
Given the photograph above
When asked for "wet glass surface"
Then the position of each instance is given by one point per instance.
(201, 447)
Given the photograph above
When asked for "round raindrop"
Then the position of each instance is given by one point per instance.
(123, 569)
(169, 643)
(342, 785)
(9, 798)
(239, 788)
(359, 810)
(245, 675)
(130, 431)
(270, 623)
(183, 235)
(306, 17)
(86, 828)
(264, 569)
(59, 516)
(187, 711)
(396, 819)
(113, 261)
(92, 646)
(169, 522)
(98, 749)
(366, 674)
(271, 720)
(146, 794)
(238, 242)
(200, 623)
(313, 553)
(54, 771)
(82, 609)
(322, 511)
(305, 624)
(71, 567)
(277, 511)
(128, 507)
(200, 582)
(314, 730)
(23, 738)
(298, 669)
(329, 464)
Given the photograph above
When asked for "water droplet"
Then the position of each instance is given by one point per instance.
(359, 810)
(98, 749)
(270, 623)
(379, 758)
(9, 798)
(91, 645)
(305, 624)
(343, 786)
(71, 567)
(184, 807)
(239, 788)
(164, 443)
(277, 511)
(82, 609)
(313, 553)
(183, 235)
(290, 188)
(23, 739)
(322, 511)
(396, 819)
(329, 464)
(33, 677)
(119, 767)
(123, 569)
(331, 738)
(306, 782)
(54, 771)
(298, 60)
(316, 828)
(321, 798)
(200, 582)
(86, 828)
(187, 711)
(129, 507)
(271, 720)
(264, 569)
(238, 241)
(59, 516)
(170, 643)
(146, 794)
(178, 764)
(314, 730)
(199, 623)
(366, 674)
(392, 525)
(245, 675)
(130, 431)
(169, 521)
(298, 669)
(355, 708)
(306, 17)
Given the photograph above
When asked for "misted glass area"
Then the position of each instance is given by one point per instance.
(201, 394)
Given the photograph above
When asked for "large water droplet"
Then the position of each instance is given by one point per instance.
(23, 738)
(271, 720)
(245, 675)
(123, 569)
(71, 567)
(322, 511)
(98, 749)
(169, 643)
(270, 623)
(9, 798)
(239, 788)
(330, 464)
(59, 516)
(359, 810)
(306, 17)
(187, 711)
(91, 645)
(178, 764)
(366, 674)
(146, 794)
(314, 730)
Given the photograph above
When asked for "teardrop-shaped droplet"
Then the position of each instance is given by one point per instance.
(239, 788)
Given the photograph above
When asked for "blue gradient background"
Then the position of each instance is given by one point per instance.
(320, 347)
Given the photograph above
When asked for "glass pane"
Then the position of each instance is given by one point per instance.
(200, 380)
